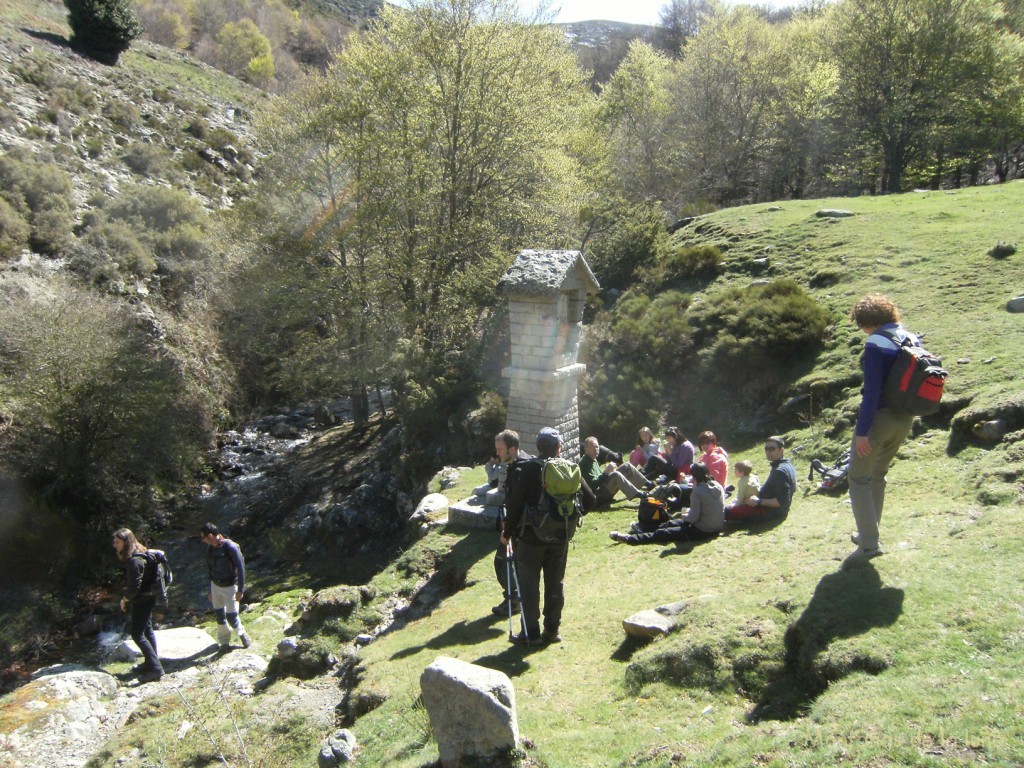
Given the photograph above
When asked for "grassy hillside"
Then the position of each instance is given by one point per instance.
(910, 660)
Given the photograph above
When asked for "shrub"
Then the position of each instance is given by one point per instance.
(111, 249)
(156, 208)
(100, 415)
(633, 241)
(699, 261)
(1002, 250)
(13, 231)
(103, 29)
(122, 114)
(147, 159)
(53, 223)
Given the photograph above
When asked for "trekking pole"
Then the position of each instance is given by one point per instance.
(508, 585)
(513, 588)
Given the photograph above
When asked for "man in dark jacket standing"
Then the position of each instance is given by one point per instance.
(533, 556)
(227, 584)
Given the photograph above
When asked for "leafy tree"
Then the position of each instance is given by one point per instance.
(99, 414)
(245, 51)
(635, 111)
(104, 29)
(728, 97)
(438, 145)
(909, 68)
(678, 21)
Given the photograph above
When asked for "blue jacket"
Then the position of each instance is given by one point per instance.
(226, 565)
(880, 352)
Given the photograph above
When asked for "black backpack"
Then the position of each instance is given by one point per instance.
(914, 384)
(157, 577)
(832, 478)
(651, 513)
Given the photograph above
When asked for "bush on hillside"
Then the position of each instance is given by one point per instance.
(687, 263)
(147, 160)
(100, 415)
(103, 29)
(632, 241)
(108, 250)
(13, 231)
(52, 227)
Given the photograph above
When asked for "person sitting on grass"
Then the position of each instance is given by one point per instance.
(773, 499)
(747, 484)
(714, 457)
(676, 457)
(704, 521)
(606, 482)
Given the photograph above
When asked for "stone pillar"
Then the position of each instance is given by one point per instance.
(546, 292)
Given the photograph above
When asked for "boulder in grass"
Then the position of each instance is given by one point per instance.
(339, 749)
(472, 710)
(833, 213)
(647, 625)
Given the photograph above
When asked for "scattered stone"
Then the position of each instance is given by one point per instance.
(287, 648)
(340, 748)
(963, 361)
(833, 213)
(430, 506)
(989, 360)
(774, 208)
(1015, 304)
(647, 625)
(472, 710)
(175, 644)
(364, 639)
(990, 431)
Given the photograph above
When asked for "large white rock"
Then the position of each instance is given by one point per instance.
(647, 625)
(430, 506)
(171, 644)
(472, 710)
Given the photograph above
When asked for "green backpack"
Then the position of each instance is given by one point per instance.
(557, 513)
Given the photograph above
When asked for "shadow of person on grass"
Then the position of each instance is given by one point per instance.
(845, 604)
(460, 634)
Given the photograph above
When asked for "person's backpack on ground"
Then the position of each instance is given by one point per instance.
(650, 514)
(556, 515)
(832, 478)
(914, 384)
(157, 577)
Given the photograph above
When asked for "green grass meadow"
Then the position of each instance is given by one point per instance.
(782, 658)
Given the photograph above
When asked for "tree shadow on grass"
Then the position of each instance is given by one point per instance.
(48, 37)
(845, 604)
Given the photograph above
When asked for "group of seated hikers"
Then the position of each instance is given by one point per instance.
(678, 478)
(671, 476)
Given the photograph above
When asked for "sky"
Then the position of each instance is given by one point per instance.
(634, 11)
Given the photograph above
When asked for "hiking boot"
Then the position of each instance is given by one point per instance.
(246, 642)
(661, 480)
(855, 538)
(548, 637)
(616, 536)
(140, 669)
(223, 648)
(501, 609)
(523, 639)
(861, 555)
(151, 676)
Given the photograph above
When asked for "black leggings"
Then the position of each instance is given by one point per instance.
(142, 631)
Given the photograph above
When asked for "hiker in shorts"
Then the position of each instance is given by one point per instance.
(140, 597)
(533, 557)
(880, 431)
(227, 584)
